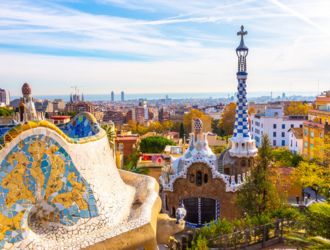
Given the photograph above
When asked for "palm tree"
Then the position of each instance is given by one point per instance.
(111, 134)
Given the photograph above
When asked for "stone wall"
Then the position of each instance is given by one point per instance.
(214, 188)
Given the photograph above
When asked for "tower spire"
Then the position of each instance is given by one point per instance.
(242, 145)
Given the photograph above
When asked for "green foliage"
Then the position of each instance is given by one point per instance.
(204, 234)
(130, 164)
(318, 219)
(111, 134)
(154, 144)
(218, 149)
(6, 111)
(258, 195)
(297, 108)
(311, 174)
(226, 123)
(283, 157)
(289, 213)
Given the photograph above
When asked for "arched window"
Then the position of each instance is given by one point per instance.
(206, 178)
(166, 203)
(199, 177)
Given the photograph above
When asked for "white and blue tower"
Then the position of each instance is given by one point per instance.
(241, 144)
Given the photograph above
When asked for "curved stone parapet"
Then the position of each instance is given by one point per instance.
(61, 188)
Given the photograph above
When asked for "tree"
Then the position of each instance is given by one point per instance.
(111, 134)
(318, 219)
(155, 127)
(283, 157)
(167, 125)
(130, 164)
(227, 121)
(181, 132)
(193, 114)
(258, 194)
(313, 175)
(321, 152)
(6, 111)
(297, 108)
(215, 127)
(154, 144)
(251, 110)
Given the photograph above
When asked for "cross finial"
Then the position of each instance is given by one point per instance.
(242, 32)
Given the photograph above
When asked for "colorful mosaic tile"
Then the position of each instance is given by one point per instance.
(82, 129)
(83, 125)
(39, 175)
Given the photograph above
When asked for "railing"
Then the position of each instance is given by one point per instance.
(251, 238)
(256, 237)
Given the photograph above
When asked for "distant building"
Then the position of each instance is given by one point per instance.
(4, 97)
(122, 96)
(275, 124)
(117, 117)
(78, 107)
(163, 115)
(126, 144)
(60, 119)
(136, 114)
(112, 96)
(296, 140)
(318, 125)
(154, 163)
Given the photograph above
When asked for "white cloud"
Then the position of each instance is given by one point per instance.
(289, 46)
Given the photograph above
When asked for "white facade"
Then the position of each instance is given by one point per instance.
(275, 125)
(295, 141)
(4, 97)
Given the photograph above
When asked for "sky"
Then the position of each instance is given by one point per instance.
(163, 46)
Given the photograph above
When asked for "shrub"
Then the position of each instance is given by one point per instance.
(318, 219)
(154, 144)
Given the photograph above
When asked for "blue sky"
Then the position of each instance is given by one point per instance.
(152, 46)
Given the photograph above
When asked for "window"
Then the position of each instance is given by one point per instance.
(292, 126)
(206, 178)
(300, 126)
(305, 132)
(296, 144)
(291, 143)
(274, 143)
(199, 177)
(274, 134)
(312, 145)
(274, 126)
(305, 144)
(283, 126)
(283, 142)
(283, 134)
(166, 203)
(312, 134)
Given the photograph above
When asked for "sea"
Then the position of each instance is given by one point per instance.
(157, 96)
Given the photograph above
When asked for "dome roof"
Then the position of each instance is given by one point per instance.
(26, 89)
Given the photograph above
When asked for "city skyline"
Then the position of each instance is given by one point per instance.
(163, 46)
